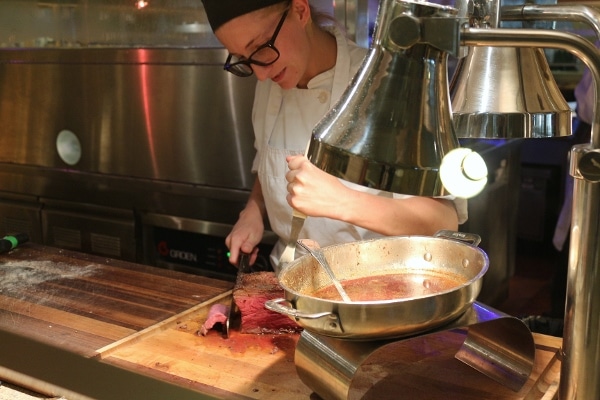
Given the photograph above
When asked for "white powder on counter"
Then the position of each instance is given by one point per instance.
(16, 275)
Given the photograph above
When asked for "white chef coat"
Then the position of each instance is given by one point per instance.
(283, 121)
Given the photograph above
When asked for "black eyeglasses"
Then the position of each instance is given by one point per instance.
(264, 55)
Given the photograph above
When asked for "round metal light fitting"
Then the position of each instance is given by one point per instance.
(68, 147)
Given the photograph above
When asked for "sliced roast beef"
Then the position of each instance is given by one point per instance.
(217, 314)
(250, 293)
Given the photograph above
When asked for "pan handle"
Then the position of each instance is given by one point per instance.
(287, 309)
(471, 238)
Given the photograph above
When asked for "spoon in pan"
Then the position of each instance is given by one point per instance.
(318, 255)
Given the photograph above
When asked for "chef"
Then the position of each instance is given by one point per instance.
(303, 63)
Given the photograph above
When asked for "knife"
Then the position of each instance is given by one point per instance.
(243, 267)
(298, 219)
(290, 249)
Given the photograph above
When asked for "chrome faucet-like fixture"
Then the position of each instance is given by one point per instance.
(392, 129)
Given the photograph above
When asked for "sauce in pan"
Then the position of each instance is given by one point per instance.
(391, 287)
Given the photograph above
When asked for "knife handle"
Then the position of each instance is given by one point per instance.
(9, 242)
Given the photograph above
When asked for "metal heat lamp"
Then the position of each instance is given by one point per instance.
(506, 92)
(367, 137)
(392, 130)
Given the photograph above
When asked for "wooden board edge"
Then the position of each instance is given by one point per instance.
(158, 327)
(547, 384)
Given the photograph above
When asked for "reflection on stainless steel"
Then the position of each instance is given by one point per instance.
(160, 131)
(137, 112)
(581, 337)
(501, 349)
(503, 92)
(366, 138)
(68, 147)
(83, 23)
(441, 278)
(332, 367)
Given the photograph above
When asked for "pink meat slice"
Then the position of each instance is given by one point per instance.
(250, 293)
(218, 313)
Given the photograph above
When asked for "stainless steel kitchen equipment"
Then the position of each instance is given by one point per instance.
(580, 336)
(194, 246)
(74, 70)
(149, 142)
(580, 366)
(121, 135)
(340, 337)
(441, 278)
(333, 367)
(41, 96)
(539, 111)
(526, 102)
(116, 121)
(366, 138)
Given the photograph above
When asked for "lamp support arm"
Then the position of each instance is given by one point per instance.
(580, 366)
(555, 12)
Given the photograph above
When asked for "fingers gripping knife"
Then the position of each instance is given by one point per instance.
(290, 249)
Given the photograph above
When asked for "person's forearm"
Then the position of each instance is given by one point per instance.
(392, 217)
(256, 201)
(318, 194)
(248, 230)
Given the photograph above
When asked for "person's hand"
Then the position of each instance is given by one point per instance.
(313, 191)
(245, 236)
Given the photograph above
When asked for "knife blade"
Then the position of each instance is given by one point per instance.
(289, 252)
(243, 267)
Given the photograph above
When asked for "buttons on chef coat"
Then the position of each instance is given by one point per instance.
(323, 97)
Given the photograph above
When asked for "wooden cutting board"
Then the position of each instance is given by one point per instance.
(81, 303)
(146, 319)
(262, 366)
(243, 366)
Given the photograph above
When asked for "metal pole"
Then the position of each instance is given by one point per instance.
(580, 367)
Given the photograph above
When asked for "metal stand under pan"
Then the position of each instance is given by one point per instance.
(493, 343)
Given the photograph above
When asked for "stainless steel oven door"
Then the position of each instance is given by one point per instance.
(194, 246)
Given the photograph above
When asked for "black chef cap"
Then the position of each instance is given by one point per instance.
(221, 11)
